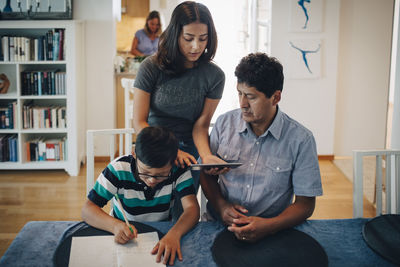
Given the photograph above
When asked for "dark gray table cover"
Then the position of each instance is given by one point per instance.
(341, 239)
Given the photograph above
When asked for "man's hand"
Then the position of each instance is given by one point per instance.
(209, 159)
(169, 246)
(122, 233)
(229, 212)
(184, 159)
(251, 229)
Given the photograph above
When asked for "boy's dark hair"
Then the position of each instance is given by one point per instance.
(169, 57)
(156, 147)
(262, 72)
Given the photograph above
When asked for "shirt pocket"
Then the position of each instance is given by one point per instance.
(278, 174)
(228, 154)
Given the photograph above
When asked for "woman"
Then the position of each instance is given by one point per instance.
(179, 88)
(145, 42)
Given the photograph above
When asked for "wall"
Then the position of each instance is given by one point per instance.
(310, 101)
(126, 30)
(100, 51)
(363, 75)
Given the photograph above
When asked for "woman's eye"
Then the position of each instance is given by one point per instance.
(188, 40)
(203, 39)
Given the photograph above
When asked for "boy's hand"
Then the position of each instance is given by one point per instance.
(169, 245)
(122, 233)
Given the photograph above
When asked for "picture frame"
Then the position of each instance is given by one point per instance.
(35, 9)
(306, 15)
(304, 58)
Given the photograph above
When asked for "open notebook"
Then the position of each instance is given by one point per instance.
(103, 251)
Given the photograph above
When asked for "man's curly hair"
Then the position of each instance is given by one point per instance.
(262, 72)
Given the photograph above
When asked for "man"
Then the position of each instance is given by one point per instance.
(278, 154)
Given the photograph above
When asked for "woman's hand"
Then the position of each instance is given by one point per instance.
(170, 246)
(184, 159)
(209, 159)
(122, 233)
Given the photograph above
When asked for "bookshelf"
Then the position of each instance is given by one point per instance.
(50, 108)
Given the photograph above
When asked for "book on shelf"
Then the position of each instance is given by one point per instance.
(47, 46)
(41, 149)
(38, 117)
(8, 148)
(44, 82)
(8, 115)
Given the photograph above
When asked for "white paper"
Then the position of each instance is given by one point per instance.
(103, 251)
(93, 251)
(138, 251)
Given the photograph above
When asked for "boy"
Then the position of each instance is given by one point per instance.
(145, 184)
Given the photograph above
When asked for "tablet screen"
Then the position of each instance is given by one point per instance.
(215, 165)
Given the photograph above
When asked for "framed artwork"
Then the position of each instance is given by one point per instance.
(304, 59)
(35, 9)
(306, 15)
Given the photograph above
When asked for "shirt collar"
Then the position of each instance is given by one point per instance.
(275, 128)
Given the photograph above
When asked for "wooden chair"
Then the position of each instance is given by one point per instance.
(391, 159)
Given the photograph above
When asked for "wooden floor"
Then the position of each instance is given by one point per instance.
(53, 195)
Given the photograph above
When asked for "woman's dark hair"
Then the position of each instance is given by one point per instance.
(262, 72)
(169, 57)
(152, 15)
(156, 147)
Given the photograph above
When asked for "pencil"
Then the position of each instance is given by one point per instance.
(123, 212)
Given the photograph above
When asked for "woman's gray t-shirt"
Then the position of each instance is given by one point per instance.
(177, 101)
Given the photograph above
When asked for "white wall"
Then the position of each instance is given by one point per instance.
(100, 51)
(310, 101)
(363, 75)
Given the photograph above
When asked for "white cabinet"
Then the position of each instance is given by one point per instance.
(50, 109)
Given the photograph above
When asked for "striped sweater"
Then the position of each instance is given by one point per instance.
(140, 202)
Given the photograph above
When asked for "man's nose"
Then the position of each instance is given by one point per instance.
(243, 102)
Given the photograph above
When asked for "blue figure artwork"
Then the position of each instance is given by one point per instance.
(301, 4)
(304, 54)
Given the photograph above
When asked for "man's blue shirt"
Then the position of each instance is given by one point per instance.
(281, 162)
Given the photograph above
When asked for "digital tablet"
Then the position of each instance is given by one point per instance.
(215, 165)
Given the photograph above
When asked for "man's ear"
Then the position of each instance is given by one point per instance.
(276, 97)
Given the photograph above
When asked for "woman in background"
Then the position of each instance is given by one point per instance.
(180, 87)
(145, 42)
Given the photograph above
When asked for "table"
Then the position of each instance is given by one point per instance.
(341, 239)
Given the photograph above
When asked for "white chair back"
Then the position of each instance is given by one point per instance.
(124, 136)
(127, 84)
(392, 180)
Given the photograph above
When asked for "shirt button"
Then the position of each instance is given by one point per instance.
(145, 188)
(277, 168)
(248, 186)
(251, 164)
(225, 156)
(257, 142)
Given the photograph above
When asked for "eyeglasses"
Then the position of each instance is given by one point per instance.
(148, 176)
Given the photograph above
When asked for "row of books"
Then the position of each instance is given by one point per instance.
(43, 82)
(35, 117)
(40, 48)
(8, 148)
(46, 150)
(8, 116)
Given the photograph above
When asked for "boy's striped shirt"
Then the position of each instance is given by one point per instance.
(140, 202)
